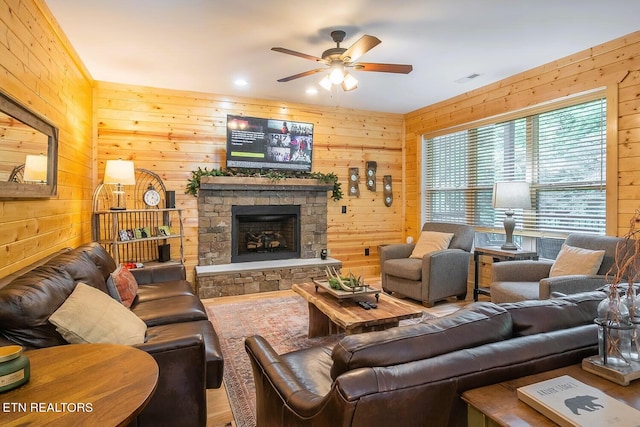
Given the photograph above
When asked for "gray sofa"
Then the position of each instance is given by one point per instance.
(529, 280)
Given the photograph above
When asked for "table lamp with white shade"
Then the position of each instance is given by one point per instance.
(119, 173)
(511, 195)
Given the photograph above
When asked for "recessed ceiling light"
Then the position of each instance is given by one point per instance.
(312, 91)
(241, 82)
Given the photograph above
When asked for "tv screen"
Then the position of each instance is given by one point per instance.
(269, 144)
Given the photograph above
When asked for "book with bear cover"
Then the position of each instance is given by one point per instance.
(570, 402)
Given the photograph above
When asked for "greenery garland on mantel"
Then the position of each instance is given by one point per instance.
(193, 184)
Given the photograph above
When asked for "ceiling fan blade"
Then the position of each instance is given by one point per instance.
(383, 68)
(298, 54)
(305, 74)
(359, 48)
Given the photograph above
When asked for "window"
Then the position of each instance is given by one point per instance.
(560, 152)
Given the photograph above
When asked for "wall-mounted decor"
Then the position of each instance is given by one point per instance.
(29, 149)
(354, 177)
(387, 190)
(371, 175)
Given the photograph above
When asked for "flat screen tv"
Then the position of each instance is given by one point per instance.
(257, 143)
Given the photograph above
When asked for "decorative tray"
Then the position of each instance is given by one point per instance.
(622, 376)
(339, 293)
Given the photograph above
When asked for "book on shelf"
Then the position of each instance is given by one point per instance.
(164, 230)
(126, 235)
(142, 232)
(569, 402)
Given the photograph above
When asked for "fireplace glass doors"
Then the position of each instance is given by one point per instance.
(261, 233)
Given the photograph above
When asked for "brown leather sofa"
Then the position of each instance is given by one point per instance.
(179, 335)
(414, 375)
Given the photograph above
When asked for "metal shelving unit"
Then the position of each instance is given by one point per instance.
(116, 229)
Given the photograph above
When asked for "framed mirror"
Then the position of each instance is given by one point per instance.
(28, 152)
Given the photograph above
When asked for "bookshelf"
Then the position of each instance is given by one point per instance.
(138, 234)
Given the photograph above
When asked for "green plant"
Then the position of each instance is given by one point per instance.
(193, 183)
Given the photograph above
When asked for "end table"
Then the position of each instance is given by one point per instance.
(498, 254)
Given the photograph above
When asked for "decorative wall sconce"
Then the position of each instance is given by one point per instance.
(354, 177)
(371, 175)
(388, 193)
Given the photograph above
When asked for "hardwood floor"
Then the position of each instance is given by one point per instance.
(218, 409)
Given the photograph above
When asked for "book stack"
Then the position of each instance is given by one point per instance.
(569, 402)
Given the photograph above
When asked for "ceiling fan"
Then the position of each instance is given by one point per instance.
(339, 59)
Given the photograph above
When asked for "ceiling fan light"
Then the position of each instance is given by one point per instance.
(325, 82)
(336, 76)
(349, 83)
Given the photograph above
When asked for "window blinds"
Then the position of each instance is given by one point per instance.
(561, 153)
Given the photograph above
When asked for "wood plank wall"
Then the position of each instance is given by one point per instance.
(610, 65)
(40, 69)
(173, 132)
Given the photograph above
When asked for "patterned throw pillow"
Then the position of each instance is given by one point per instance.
(126, 285)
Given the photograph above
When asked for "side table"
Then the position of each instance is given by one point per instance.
(498, 254)
(82, 385)
(498, 404)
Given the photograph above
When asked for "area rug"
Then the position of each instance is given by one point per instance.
(282, 320)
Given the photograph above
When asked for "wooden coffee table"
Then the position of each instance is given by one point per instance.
(329, 315)
(498, 404)
(82, 384)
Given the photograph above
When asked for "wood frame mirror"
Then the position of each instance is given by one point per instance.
(24, 134)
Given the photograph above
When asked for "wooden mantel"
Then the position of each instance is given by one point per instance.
(257, 183)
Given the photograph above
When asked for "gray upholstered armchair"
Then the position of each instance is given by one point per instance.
(434, 277)
(526, 280)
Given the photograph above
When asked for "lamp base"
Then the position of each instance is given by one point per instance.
(509, 226)
(117, 208)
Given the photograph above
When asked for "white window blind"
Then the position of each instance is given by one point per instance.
(561, 153)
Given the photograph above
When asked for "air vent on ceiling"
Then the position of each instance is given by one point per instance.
(467, 78)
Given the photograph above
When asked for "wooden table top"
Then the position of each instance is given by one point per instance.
(82, 384)
(500, 401)
(348, 315)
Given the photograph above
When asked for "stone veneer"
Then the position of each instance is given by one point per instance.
(216, 197)
(260, 276)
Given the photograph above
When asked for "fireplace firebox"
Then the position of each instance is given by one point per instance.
(262, 233)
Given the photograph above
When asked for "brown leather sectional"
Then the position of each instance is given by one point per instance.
(179, 335)
(414, 375)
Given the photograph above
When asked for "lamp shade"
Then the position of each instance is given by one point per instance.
(349, 82)
(511, 195)
(35, 168)
(119, 172)
(339, 77)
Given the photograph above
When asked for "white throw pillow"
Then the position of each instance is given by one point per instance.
(572, 260)
(91, 316)
(431, 241)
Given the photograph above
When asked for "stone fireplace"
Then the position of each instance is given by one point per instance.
(285, 220)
